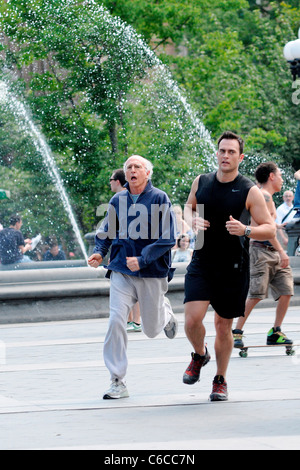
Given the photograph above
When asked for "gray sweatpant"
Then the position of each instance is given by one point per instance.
(156, 312)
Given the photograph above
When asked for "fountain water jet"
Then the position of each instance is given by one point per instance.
(22, 114)
(93, 18)
(127, 37)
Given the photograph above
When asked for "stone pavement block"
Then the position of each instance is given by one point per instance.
(53, 378)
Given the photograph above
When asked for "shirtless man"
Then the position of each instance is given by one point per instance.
(269, 265)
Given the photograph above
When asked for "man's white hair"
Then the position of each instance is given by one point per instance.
(147, 164)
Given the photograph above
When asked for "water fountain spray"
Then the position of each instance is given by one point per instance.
(23, 115)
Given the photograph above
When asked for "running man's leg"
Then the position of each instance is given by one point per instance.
(250, 304)
(260, 260)
(195, 330)
(282, 308)
(136, 314)
(122, 299)
(195, 313)
(223, 347)
(156, 311)
(238, 332)
(223, 343)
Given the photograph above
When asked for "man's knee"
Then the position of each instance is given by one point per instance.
(191, 322)
(223, 327)
(194, 314)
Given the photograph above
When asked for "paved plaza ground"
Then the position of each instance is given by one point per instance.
(53, 378)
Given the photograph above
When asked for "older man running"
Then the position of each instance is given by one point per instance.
(139, 226)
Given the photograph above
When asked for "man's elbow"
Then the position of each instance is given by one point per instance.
(272, 231)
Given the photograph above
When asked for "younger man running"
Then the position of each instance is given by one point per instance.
(219, 272)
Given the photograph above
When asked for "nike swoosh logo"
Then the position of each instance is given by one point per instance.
(235, 190)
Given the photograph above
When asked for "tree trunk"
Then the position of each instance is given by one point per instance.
(113, 138)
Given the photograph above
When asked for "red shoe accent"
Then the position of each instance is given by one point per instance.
(219, 391)
(192, 373)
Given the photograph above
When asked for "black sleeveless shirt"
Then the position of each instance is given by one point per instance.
(220, 200)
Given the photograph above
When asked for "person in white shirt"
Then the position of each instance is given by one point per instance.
(284, 214)
(183, 254)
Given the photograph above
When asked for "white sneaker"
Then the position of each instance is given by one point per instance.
(117, 390)
(133, 327)
(171, 329)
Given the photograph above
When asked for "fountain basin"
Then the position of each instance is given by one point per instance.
(80, 293)
(41, 265)
(64, 294)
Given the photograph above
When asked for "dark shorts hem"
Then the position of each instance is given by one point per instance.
(227, 295)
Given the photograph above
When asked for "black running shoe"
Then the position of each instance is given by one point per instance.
(192, 374)
(219, 391)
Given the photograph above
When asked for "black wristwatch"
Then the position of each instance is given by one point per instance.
(247, 231)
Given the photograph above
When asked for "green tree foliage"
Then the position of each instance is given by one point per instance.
(233, 70)
(89, 84)
(78, 97)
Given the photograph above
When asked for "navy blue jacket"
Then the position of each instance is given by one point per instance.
(145, 229)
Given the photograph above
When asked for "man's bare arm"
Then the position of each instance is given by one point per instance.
(285, 261)
(191, 216)
(263, 226)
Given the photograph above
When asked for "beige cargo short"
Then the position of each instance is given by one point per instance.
(265, 272)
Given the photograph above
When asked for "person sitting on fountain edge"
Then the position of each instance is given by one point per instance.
(12, 244)
(54, 253)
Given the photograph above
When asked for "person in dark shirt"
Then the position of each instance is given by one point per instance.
(140, 265)
(54, 253)
(12, 243)
(221, 277)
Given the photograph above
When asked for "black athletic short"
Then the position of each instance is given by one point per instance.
(225, 289)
